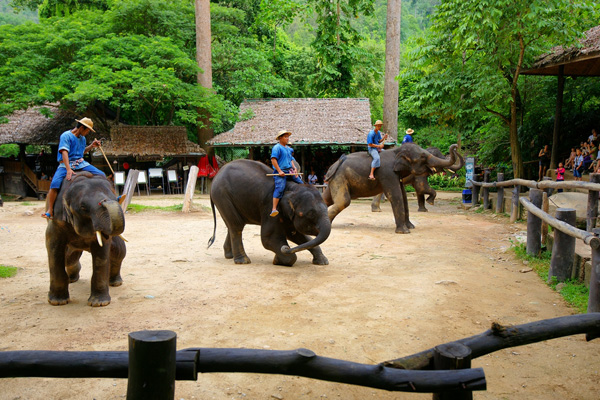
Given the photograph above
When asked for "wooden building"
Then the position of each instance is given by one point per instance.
(322, 129)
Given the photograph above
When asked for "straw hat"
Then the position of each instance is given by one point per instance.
(281, 133)
(378, 122)
(87, 122)
(409, 131)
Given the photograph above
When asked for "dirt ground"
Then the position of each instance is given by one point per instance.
(382, 296)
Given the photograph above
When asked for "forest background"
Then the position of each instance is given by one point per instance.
(134, 61)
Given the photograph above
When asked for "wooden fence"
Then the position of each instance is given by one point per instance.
(152, 364)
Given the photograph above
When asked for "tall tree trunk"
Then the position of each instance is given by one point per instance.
(392, 68)
(558, 116)
(515, 146)
(204, 60)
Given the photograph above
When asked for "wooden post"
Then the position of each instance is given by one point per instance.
(451, 356)
(534, 224)
(594, 295)
(514, 210)
(545, 207)
(500, 197)
(189, 190)
(486, 190)
(151, 365)
(561, 263)
(592, 208)
(129, 187)
(475, 193)
(549, 190)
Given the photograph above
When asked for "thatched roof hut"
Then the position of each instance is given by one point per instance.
(150, 141)
(581, 60)
(311, 121)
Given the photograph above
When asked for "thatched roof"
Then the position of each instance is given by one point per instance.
(582, 60)
(311, 121)
(129, 140)
(32, 127)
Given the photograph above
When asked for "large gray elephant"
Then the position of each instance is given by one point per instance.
(242, 192)
(87, 217)
(420, 188)
(348, 178)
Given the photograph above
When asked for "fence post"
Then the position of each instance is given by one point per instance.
(152, 365)
(545, 207)
(549, 191)
(534, 224)
(486, 190)
(475, 194)
(451, 356)
(561, 263)
(592, 208)
(500, 197)
(514, 210)
(594, 294)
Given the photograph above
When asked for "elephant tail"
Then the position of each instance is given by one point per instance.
(332, 170)
(212, 239)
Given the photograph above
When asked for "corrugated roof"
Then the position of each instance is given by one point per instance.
(582, 60)
(311, 121)
(150, 141)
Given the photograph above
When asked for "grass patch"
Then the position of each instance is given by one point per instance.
(7, 272)
(136, 208)
(575, 293)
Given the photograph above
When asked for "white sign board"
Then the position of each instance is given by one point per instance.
(470, 168)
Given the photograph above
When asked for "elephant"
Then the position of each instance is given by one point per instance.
(242, 192)
(348, 178)
(87, 216)
(422, 189)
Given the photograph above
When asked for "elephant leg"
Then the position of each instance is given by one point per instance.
(72, 264)
(341, 200)
(56, 246)
(318, 256)
(431, 197)
(398, 200)
(421, 201)
(273, 238)
(237, 246)
(375, 204)
(118, 250)
(99, 296)
(409, 224)
(227, 247)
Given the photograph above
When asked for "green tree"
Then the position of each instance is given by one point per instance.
(473, 58)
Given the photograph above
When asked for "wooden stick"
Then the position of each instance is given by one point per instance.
(111, 170)
(297, 173)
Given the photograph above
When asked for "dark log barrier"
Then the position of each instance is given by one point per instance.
(592, 209)
(541, 184)
(500, 198)
(486, 190)
(515, 209)
(534, 224)
(452, 356)
(500, 337)
(475, 192)
(594, 296)
(561, 263)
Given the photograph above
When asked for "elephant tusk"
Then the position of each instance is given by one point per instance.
(125, 240)
(99, 237)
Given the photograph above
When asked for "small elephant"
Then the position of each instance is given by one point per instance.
(242, 192)
(87, 217)
(348, 178)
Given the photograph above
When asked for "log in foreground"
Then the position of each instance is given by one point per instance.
(500, 337)
(541, 184)
(301, 362)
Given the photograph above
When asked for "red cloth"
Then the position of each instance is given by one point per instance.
(214, 168)
(203, 167)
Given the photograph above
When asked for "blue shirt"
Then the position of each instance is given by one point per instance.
(75, 146)
(373, 137)
(284, 156)
(407, 139)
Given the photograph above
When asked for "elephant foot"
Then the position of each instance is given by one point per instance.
(242, 259)
(320, 260)
(74, 277)
(99, 300)
(422, 209)
(58, 300)
(402, 229)
(286, 261)
(430, 202)
(410, 225)
(228, 255)
(375, 209)
(115, 281)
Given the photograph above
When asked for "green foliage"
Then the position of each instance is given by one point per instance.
(444, 181)
(7, 150)
(7, 271)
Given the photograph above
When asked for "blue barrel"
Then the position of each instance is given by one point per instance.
(466, 196)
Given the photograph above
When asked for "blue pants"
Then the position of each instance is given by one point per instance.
(280, 182)
(61, 173)
(376, 159)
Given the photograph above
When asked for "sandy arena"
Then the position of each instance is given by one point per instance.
(382, 296)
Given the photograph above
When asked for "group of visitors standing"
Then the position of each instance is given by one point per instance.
(584, 158)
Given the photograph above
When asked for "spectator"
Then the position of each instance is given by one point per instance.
(544, 161)
(569, 161)
(312, 178)
(593, 138)
(578, 168)
(560, 175)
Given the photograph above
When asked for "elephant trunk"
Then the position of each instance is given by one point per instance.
(459, 163)
(436, 162)
(324, 228)
(111, 220)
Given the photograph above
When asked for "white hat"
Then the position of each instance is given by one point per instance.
(409, 131)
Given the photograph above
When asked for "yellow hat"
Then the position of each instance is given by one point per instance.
(281, 133)
(409, 131)
(378, 122)
(87, 122)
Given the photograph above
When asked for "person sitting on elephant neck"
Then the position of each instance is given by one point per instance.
(408, 137)
(375, 145)
(282, 156)
(71, 148)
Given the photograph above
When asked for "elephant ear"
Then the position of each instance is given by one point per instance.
(401, 162)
